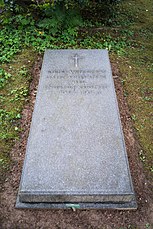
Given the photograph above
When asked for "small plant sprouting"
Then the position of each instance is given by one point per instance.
(19, 94)
(4, 76)
(23, 71)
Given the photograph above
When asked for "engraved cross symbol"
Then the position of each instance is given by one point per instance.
(76, 60)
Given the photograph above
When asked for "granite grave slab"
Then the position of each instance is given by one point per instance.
(76, 155)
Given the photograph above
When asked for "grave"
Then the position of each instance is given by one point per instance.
(76, 155)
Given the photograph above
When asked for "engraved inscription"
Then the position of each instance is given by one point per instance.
(76, 81)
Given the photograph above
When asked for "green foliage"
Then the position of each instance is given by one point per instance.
(51, 24)
(8, 115)
(4, 76)
(19, 94)
(23, 71)
(60, 20)
(21, 31)
(60, 30)
(8, 118)
(66, 3)
(10, 40)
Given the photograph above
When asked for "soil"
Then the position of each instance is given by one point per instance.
(68, 219)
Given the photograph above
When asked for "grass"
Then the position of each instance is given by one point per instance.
(128, 35)
(137, 71)
(14, 93)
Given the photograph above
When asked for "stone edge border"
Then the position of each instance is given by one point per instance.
(118, 206)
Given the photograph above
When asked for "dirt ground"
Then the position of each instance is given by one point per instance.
(68, 219)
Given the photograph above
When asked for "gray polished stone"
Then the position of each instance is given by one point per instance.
(76, 151)
(99, 205)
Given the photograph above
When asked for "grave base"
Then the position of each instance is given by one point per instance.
(119, 206)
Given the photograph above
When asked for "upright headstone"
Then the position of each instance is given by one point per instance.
(76, 155)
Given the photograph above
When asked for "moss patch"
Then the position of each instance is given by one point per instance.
(13, 96)
(137, 73)
(137, 86)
